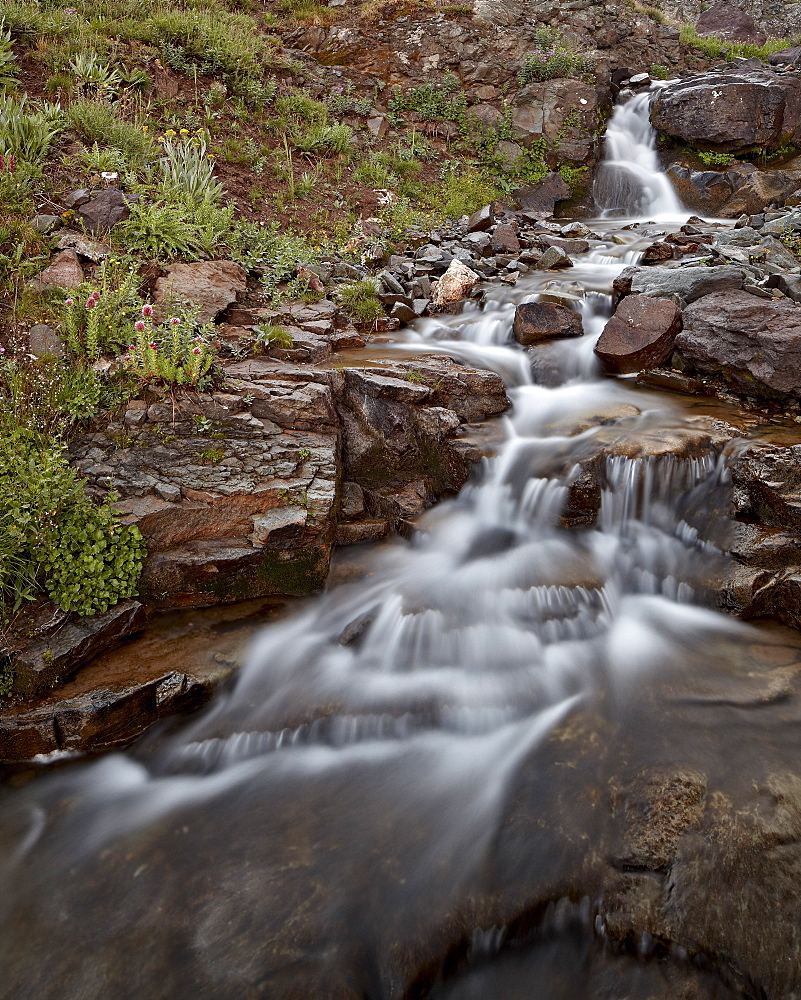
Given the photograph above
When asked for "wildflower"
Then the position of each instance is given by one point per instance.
(139, 326)
(90, 303)
(184, 131)
(171, 132)
(2, 349)
(174, 321)
(96, 295)
(69, 303)
(147, 310)
(196, 350)
(199, 340)
(153, 345)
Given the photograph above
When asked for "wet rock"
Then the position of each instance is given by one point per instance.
(724, 20)
(63, 271)
(44, 661)
(554, 259)
(211, 285)
(673, 381)
(640, 335)
(100, 720)
(786, 57)
(456, 283)
(540, 199)
(105, 209)
(538, 321)
(44, 342)
(754, 343)
(688, 283)
(743, 107)
(741, 188)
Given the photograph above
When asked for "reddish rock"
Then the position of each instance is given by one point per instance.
(640, 335)
(724, 20)
(657, 251)
(63, 271)
(538, 321)
(540, 199)
(213, 285)
(481, 220)
(504, 240)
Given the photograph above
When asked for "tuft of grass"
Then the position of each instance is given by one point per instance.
(360, 299)
(97, 122)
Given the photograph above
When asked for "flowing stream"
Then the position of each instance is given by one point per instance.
(370, 810)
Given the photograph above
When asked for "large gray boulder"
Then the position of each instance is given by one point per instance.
(539, 321)
(742, 189)
(755, 343)
(741, 108)
(688, 283)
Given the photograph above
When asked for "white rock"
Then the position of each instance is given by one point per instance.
(455, 284)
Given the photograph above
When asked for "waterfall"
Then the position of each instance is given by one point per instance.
(630, 181)
(352, 786)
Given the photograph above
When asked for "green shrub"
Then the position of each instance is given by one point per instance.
(53, 537)
(443, 101)
(171, 230)
(98, 122)
(8, 61)
(173, 355)
(215, 40)
(27, 132)
(268, 251)
(551, 58)
(322, 140)
(659, 71)
(301, 107)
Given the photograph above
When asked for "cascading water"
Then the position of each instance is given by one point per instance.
(348, 812)
(630, 182)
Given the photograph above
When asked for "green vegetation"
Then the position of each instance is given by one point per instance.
(711, 159)
(715, 48)
(56, 539)
(174, 355)
(360, 299)
(551, 57)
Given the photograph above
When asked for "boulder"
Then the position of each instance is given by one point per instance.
(504, 240)
(63, 271)
(742, 189)
(481, 220)
(455, 284)
(741, 108)
(640, 335)
(540, 199)
(538, 321)
(104, 210)
(688, 283)
(553, 259)
(44, 342)
(786, 57)
(724, 20)
(213, 285)
(754, 343)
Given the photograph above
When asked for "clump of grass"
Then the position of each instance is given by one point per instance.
(716, 48)
(360, 299)
(98, 122)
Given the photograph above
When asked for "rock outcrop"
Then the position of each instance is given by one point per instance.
(640, 335)
(743, 107)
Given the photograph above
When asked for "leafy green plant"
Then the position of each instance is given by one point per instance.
(442, 101)
(8, 61)
(98, 158)
(322, 140)
(713, 159)
(160, 230)
(187, 170)
(268, 335)
(98, 320)
(93, 75)
(659, 71)
(177, 357)
(98, 122)
(27, 132)
(268, 251)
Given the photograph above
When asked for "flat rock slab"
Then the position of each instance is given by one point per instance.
(45, 661)
(640, 335)
(688, 283)
(99, 720)
(212, 285)
(757, 343)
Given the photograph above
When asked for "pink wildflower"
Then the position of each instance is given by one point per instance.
(147, 310)
(70, 303)
(153, 345)
(139, 326)
(90, 303)
(199, 340)
(174, 321)
(196, 350)
(96, 295)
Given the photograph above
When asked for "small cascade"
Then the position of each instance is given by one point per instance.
(630, 181)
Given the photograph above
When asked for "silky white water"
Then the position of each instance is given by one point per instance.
(387, 719)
